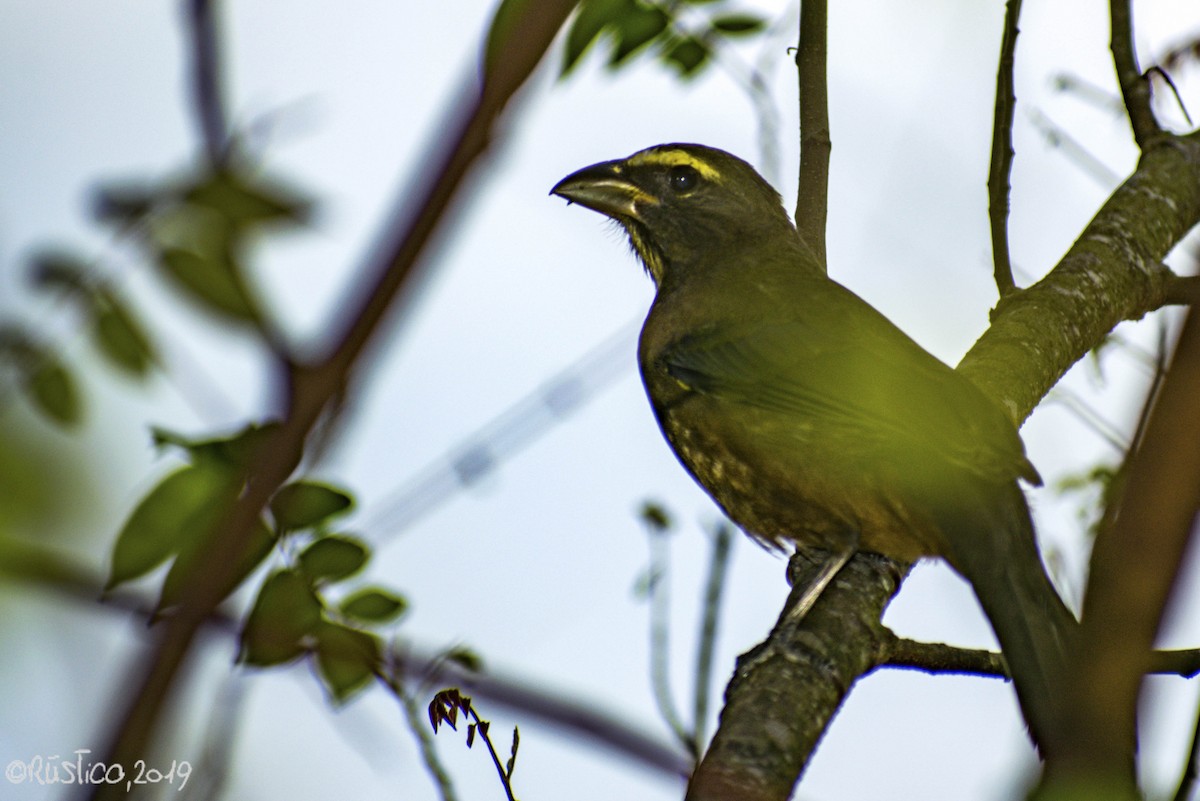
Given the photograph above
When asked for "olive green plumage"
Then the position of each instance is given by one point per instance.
(807, 415)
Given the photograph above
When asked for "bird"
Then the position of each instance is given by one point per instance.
(811, 419)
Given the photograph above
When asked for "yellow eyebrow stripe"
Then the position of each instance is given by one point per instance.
(673, 158)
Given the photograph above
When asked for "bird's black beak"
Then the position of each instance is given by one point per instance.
(605, 188)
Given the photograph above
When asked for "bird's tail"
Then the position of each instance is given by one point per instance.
(990, 541)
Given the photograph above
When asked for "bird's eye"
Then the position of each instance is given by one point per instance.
(683, 178)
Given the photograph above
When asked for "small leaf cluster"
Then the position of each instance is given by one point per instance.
(291, 617)
(682, 35)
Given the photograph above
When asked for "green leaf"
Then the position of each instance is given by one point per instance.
(373, 605)
(346, 658)
(213, 280)
(285, 615)
(120, 338)
(738, 24)
(333, 558)
(687, 55)
(465, 658)
(247, 202)
(591, 19)
(162, 521)
(52, 391)
(304, 504)
(634, 30)
(197, 551)
(237, 450)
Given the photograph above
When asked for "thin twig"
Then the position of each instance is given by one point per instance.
(1135, 89)
(999, 186)
(414, 718)
(812, 196)
(658, 590)
(714, 586)
(1166, 76)
(207, 101)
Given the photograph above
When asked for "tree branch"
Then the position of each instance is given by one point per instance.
(207, 97)
(1113, 272)
(812, 197)
(784, 692)
(311, 388)
(1135, 88)
(1000, 171)
(1134, 567)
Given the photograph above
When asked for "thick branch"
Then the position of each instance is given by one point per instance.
(998, 183)
(1135, 87)
(785, 691)
(1113, 272)
(812, 199)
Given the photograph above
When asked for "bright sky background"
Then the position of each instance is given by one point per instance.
(535, 567)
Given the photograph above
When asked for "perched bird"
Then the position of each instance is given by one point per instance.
(808, 416)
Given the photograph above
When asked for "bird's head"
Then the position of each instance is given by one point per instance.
(682, 205)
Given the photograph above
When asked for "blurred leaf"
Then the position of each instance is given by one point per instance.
(655, 516)
(347, 659)
(304, 504)
(119, 337)
(163, 520)
(123, 203)
(212, 280)
(687, 55)
(591, 19)
(465, 658)
(52, 391)
(58, 270)
(237, 450)
(197, 549)
(738, 24)
(634, 30)
(285, 614)
(236, 198)
(373, 605)
(333, 558)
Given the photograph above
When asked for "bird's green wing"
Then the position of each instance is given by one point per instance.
(870, 379)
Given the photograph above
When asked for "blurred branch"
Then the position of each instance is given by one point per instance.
(812, 199)
(714, 586)
(1074, 150)
(999, 186)
(208, 103)
(658, 594)
(1135, 88)
(52, 570)
(1133, 570)
(509, 61)
(392, 677)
